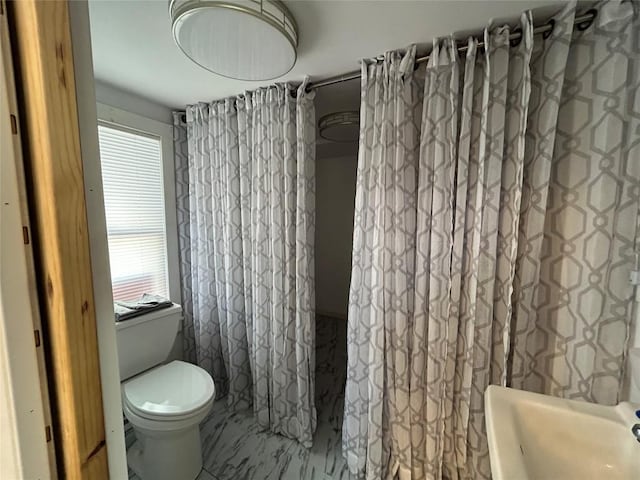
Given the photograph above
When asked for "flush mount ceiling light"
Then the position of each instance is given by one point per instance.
(340, 127)
(239, 39)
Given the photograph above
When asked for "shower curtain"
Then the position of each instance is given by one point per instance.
(497, 212)
(246, 200)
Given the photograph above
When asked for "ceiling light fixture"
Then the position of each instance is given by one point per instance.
(239, 39)
(340, 127)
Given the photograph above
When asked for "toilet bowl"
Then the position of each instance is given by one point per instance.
(165, 405)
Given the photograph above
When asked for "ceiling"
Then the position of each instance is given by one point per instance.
(133, 48)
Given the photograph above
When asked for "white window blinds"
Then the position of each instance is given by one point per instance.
(134, 206)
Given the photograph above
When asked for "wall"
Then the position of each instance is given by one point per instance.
(103, 300)
(335, 198)
(23, 413)
(115, 97)
(143, 110)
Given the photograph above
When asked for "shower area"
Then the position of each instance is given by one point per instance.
(234, 443)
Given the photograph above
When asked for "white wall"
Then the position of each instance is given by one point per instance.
(103, 300)
(115, 97)
(23, 446)
(335, 197)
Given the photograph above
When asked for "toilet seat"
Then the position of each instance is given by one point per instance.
(169, 392)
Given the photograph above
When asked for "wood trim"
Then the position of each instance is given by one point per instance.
(44, 61)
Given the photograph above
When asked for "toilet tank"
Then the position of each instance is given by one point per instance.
(147, 340)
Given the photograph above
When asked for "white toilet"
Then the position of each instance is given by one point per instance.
(165, 402)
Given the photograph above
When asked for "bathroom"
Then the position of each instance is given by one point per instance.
(321, 240)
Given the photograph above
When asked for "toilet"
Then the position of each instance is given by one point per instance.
(165, 401)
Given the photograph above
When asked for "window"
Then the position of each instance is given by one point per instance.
(134, 197)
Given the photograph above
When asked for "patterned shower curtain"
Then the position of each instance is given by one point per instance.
(246, 201)
(497, 212)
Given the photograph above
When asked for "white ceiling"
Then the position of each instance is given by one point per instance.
(133, 48)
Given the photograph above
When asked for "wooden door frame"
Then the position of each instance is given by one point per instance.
(42, 52)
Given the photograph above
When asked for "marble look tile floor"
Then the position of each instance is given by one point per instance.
(234, 448)
(204, 475)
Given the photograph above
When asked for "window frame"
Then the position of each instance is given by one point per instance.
(130, 122)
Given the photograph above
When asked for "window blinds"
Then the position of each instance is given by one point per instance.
(134, 207)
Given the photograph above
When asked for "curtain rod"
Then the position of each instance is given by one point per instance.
(581, 23)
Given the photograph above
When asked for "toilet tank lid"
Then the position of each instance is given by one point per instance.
(175, 309)
(177, 388)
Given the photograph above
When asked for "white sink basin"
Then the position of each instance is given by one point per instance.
(539, 437)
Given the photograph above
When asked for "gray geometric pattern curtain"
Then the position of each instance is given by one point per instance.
(376, 420)
(582, 302)
(181, 158)
(493, 237)
(248, 278)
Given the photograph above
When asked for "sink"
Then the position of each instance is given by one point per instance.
(539, 437)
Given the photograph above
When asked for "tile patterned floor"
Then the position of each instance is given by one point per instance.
(235, 449)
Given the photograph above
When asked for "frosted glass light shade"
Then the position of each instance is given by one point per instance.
(240, 39)
(341, 127)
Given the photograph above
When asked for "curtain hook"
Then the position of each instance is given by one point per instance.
(552, 25)
(582, 26)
